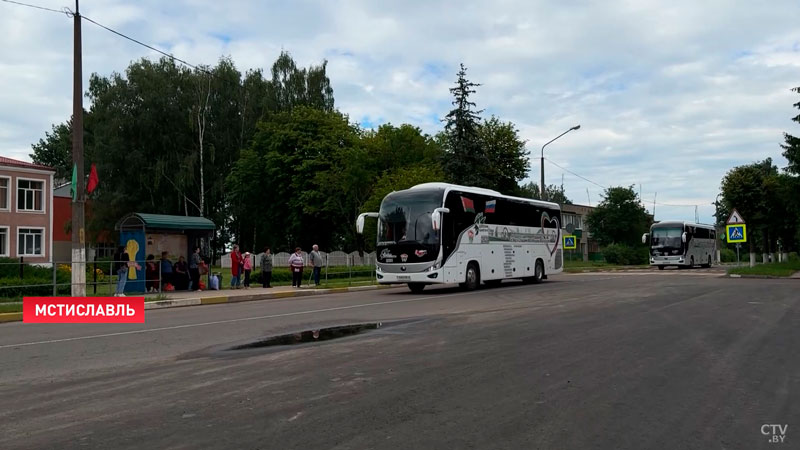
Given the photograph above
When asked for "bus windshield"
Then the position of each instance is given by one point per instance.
(405, 217)
(666, 241)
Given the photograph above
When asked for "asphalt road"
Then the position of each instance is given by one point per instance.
(625, 361)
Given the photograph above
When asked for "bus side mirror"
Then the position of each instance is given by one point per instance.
(360, 221)
(436, 217)
(644, 238)
(683, 237)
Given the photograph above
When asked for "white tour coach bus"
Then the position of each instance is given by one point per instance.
(681, 244)
(436, 233)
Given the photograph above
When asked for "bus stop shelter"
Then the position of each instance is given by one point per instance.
(151, 234)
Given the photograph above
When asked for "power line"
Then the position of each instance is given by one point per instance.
(122, 35)
(38, 7)
(604, 187)
(579, 176)
(69, 13)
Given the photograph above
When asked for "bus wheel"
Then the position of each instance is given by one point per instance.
(538, 273)
(416, 287)
(473, 277)
(691, 262)
(708, 264)
(660, 267)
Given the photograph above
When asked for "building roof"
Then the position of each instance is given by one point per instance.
(23, 164)
(164, 222)
(63, 190)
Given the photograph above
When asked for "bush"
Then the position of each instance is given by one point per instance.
(29, 287)
(793, 257)
(727, 255)
(624, 255)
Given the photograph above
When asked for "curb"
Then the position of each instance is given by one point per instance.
(10, 317)
(255, 297)
(177, 303)
(763, 277)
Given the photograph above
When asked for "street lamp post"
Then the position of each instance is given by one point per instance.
(576, 127)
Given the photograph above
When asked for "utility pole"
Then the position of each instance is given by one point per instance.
(654, 206)
(78, 232)
(544, 191)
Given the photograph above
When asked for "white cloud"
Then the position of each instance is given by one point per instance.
(668, 95)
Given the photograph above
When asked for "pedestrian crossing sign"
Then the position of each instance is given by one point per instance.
(569, 242)
(736, 233)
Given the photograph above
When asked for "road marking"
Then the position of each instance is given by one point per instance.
(244, 319)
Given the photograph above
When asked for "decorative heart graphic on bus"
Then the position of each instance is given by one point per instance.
(553, 223)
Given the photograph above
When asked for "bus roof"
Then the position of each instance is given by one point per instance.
(672, 223)
(482, 191)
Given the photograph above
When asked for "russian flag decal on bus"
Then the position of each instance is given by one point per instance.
(490, 206)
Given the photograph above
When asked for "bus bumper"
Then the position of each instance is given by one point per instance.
(428, 277)
(667, 261)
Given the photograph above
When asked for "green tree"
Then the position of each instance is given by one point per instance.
(619, 219)
(291, 86)
(743, 188)
(791, 145)
(291, 196)
(465, 160)
(390, 147)
(505, 152)
(55, 150)
(161, 134)
(555, 194)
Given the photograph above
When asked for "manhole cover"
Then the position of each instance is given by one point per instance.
(302, 337)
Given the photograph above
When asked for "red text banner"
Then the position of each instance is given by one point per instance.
(83, 310)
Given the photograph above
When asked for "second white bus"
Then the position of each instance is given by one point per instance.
(681, 244)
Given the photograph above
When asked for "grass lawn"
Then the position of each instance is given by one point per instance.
(596, 266)
(784, 269)
(10, 308)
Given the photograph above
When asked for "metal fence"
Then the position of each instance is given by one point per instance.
(281, 259)
(18, 278)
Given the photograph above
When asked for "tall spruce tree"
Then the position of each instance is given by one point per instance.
(465, 161)
(792, 146)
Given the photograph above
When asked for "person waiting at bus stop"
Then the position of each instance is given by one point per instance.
(166, 270)
(296, 266)
(315, 261)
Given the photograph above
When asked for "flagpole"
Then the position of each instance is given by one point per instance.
(78, 232)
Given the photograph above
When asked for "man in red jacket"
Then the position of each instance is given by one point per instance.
(236, 269)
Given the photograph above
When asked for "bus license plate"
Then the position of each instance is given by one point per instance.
(404, 277)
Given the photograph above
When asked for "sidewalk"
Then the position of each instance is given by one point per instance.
(191, 298)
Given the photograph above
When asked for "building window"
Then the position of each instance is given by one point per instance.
(30, 241)
(3, 241)
(573, 219)
(5, 190)
(30, 195)
(104, 249)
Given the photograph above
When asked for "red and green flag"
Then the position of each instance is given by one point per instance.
(468, 205)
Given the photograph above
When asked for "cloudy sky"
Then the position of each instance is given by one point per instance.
(669, 95)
